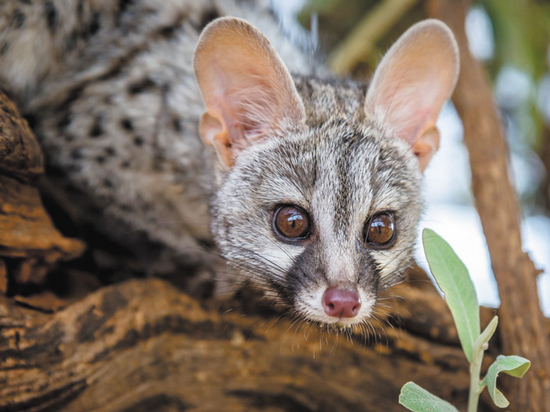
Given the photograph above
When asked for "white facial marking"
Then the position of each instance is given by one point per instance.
(283, 257)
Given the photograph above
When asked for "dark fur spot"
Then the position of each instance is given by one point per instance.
(167, 32)
(124, 4)
(176, 122)
(80, 8)
(51, 15)
(118, 67)
(121, 64)
(110, 151)
(97, 128)
(69, 137)
(18, 19)
(108, 183)
(100, 159)
(72, 97)
(95, 24)
(4, 48)
(138, 141)
(127, 124)
(207, 17)
(141, 86)
(76, 154)
(64, 122)
(125, 164)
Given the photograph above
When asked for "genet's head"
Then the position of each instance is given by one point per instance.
(320, 197)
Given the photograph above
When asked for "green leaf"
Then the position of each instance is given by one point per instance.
(512, 365)
(417, 399)
(454, 280)
(487, 334)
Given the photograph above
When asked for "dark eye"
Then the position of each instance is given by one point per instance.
(291, 222)
(380, 230)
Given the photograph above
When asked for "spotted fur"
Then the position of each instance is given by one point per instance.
(110, 90)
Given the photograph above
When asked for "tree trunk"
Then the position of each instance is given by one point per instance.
(522, 324)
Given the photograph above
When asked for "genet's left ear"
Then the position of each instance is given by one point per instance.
(247, 90)
(411, 84)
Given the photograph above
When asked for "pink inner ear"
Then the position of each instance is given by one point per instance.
(249, 110)
(408, 97)
(257, 107)
(409, 124)
(244, 83)
(413, 81)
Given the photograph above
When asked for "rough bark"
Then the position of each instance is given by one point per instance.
(522, 324)
(28, 239)
(20, 153)
(143, 346)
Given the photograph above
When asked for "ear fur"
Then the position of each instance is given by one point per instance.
(411, 84)
(246, 88)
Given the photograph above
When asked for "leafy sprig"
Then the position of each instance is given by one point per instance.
(452, 277)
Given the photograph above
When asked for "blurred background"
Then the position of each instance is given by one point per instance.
(512, 39)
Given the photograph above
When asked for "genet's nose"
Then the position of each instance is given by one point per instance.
(341, 303)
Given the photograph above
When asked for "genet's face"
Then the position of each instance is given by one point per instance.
(321, 220)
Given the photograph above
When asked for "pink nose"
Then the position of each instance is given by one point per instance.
(341, 303)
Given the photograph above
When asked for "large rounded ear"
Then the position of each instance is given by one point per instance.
(411, 84)
(247, 90)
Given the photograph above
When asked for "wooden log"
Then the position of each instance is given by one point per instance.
(142, 345)
(20, 153)
(27, 236)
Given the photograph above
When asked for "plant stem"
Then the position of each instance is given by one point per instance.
(475, 371)
(480, 345)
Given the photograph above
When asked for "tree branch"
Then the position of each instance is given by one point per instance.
(522, 327)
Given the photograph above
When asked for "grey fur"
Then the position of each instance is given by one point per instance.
(342, 170)
(111, 89)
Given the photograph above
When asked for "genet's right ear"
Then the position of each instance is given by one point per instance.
(247, 90)
(411, 84)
